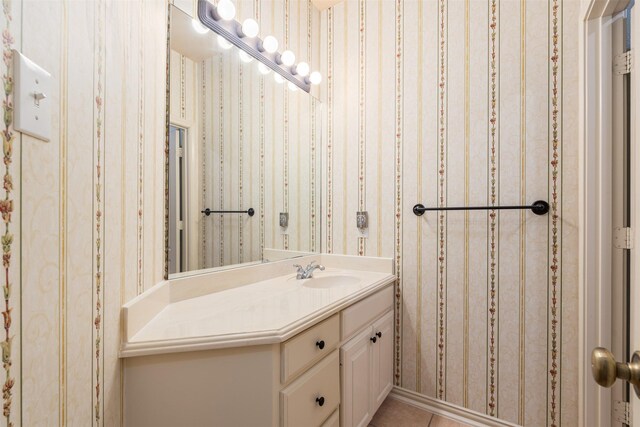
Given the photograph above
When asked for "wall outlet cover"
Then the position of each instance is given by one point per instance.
(284, 219)
(362, 220)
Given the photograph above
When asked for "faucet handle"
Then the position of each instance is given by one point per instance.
(300, 269)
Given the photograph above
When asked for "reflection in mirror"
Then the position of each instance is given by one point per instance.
(238, 141)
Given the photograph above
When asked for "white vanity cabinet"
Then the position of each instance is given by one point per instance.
(357, 372)
(366, 357)
(267, 366)
(294, 383)
(314, 396)
(310, 399)
(382, 357)
(367, 371)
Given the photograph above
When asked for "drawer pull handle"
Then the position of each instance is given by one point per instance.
(374, 339)
(379, 334)
(320, 400)
(320, 345)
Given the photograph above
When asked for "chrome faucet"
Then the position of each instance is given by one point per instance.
(307, 272)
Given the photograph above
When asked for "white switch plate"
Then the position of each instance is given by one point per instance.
(31, 98)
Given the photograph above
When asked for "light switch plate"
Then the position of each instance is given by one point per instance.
(31, 98)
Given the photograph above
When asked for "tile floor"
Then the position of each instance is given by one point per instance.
(394, 413)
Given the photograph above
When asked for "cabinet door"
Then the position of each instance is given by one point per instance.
(355, 357)
(382, 360)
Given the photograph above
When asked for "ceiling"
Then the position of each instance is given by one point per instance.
(325, 4)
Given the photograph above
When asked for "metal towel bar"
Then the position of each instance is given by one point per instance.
(539, 207)
(249, 212)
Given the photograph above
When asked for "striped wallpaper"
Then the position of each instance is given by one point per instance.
(463, 102)
(418, 95)
(85, 210)
(91, 204)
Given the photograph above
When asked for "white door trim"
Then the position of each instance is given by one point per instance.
(635, 208)
(595, 231)
(595, 267)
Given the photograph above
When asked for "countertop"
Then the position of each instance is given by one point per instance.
(263, 312)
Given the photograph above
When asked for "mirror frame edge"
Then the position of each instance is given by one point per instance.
(165, 266)
(166, 151)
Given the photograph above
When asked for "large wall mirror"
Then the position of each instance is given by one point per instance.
(244, 157)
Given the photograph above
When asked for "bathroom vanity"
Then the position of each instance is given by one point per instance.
(236, 336)
(254, 346)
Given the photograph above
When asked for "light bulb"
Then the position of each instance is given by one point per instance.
(250, 28)
(198, 27)
(223, 43)
(244, 56)
(292, 87)
(226, 10)
(270, 44)
(287, 58)
(278, 78)
(315, 78)
(302, 69)
(263, 68)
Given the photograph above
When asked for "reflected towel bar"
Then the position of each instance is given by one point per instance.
(539, 207)
(249, 212)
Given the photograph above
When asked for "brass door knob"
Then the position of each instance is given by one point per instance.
(606, 370)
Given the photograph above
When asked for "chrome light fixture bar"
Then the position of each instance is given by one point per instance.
(231, 29)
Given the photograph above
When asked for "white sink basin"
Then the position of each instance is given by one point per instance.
(324, 282)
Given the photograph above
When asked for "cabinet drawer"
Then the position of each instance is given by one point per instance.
(333, 420)
(309, 346)
(299, 404)
(362, 313)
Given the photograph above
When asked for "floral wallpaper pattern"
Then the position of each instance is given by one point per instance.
(465, 105)
(6, 209)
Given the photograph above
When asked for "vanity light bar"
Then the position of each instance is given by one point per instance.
(230, 30)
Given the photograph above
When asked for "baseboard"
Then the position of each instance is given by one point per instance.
(447, 410)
